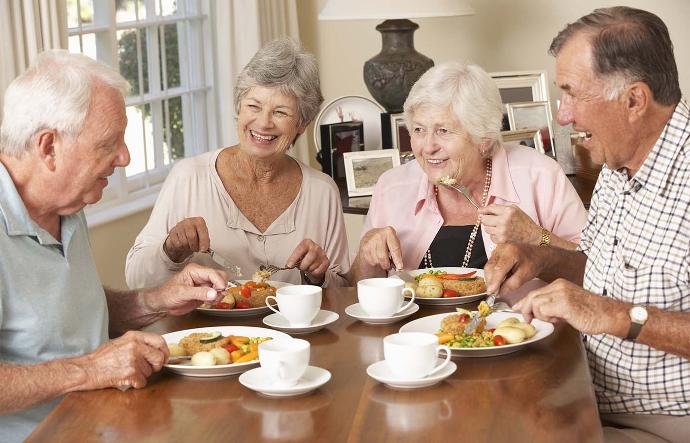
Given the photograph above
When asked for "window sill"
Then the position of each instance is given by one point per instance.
(109, 211)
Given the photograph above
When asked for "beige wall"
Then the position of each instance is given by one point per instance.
(503, 35)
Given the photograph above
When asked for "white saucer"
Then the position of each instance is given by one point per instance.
(380, 371)
(357, 312)
(313, 378)
(322, 319)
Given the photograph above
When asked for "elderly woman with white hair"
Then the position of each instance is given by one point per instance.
(252, 203)
(454, 116)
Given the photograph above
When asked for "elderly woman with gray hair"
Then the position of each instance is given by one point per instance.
(454, 116)
(251, 203)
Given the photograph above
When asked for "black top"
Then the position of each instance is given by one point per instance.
(450, 244)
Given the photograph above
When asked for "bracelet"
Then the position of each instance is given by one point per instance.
(545, 237)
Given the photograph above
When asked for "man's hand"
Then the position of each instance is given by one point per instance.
(584, 311)
(187, 237)
(312, 260)
(506, 223)
(186, 290)
(380, 248)
(511, 265)
(125, 361)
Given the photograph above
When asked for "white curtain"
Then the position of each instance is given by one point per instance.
(28, 27)
(241, 27)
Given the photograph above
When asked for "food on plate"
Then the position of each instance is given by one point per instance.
(509, 331)
(437, 284)
(251, 294)
(212, 348)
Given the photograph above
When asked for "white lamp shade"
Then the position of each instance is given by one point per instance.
(392, 9)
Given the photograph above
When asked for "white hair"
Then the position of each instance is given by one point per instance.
(54, 93)
(469, 92)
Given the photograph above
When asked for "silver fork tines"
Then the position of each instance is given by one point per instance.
(272, 269)
(464, 191)
(476, 318)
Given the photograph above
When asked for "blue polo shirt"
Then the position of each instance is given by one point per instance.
(52, 303)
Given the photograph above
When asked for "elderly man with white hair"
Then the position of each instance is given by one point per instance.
(61, 138)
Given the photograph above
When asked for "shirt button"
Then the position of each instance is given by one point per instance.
(261, 238)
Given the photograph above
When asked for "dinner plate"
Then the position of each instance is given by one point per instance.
(219, 370)
(249, 312)
(449, 301)
(354, 108)
(432, 325)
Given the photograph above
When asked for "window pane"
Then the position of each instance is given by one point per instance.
(139, 139)
(128, 54)
(174, 137)
(86, 11)
(166, 7)
(73, 44)
(72, 16)
(88, 42)
(130, 10)
(171, 68)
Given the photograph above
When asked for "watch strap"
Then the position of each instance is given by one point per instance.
(545, 237)
(634, 330)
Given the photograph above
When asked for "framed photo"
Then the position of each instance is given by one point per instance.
(533, 115)
(394, 133)
(363, 169)
(336, 140)
(530, 137)
(520, 86)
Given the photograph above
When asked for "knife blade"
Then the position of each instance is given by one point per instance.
(477, 317)
(405, 276)
(225, 263)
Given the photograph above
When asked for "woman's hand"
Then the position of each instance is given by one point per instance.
(509, 224)
(311, 259)
(185, 238)
(380, 248)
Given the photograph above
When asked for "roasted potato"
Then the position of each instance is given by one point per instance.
(430, 287)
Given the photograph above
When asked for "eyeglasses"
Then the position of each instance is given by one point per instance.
(419, 132)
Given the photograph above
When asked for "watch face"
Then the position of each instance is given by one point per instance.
(638, 314)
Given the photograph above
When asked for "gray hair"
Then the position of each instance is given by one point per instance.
(284, 64)
(470, 93)
(628, 45)
(54, 93)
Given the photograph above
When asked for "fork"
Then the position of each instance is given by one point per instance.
(272, 269)
(464, 191)
(476, 317)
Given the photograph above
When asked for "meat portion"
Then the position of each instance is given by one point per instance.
(456, 323)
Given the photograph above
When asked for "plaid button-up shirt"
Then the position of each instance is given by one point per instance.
(637, 241)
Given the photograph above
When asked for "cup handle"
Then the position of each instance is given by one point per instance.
(271, 306)
(445, 362)
(408, 303)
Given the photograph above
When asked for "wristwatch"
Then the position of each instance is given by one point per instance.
(638, 317)
(545, 237)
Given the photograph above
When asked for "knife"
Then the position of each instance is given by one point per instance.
(405, 276)
(476, 316)
(225, 263)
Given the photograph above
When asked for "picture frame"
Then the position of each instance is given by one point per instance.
(336, 140)
(394, 133)
(530, 137)
(526, 115)
(519, 87)
(363, 169)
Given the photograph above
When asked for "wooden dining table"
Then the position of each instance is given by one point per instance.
(542, 393)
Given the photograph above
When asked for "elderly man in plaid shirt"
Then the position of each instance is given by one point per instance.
(627, 288)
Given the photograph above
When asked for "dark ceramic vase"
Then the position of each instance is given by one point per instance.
(390, 74)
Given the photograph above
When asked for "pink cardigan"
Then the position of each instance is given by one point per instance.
(404, 199)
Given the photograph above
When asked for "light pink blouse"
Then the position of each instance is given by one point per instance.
(404, 199)
(194, 189)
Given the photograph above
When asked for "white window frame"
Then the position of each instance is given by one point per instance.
(125, 196)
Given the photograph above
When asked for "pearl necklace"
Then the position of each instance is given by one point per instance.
(470, 243)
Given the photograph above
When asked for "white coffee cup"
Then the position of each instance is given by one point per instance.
(284, 360)
(299, 304)
(383, 297)
(413, 355)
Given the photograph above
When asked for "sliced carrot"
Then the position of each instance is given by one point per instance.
(456, 276)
